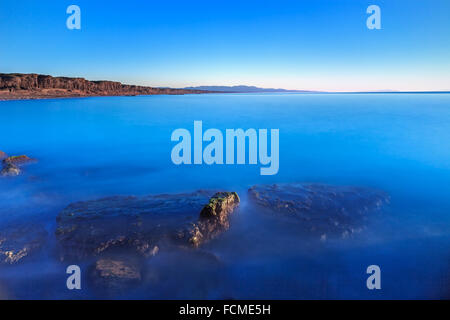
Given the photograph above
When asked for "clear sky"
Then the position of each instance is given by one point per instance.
(302, 44)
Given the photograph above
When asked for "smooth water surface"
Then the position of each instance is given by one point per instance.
(93, 147)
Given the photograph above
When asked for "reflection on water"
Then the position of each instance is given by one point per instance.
(90, 148)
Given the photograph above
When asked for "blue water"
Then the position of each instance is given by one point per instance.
(92, 147)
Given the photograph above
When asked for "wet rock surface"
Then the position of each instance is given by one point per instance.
(19, 242)
(116, 274)
(140, 225)
(214, 217)
(319, 209)
(10, 170)
(11, 164)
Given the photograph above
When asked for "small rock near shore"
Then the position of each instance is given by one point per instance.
(17, 160)
(214, 217)
(320, 209)
(10, 170)
(18, 242)
(116, 274)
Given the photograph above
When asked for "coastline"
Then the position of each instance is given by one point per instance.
(71, 96)
(17, 86)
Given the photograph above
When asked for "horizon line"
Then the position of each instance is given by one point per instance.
(309, 91)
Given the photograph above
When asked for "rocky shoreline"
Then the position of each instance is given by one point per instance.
(117, 236)
(16, 86)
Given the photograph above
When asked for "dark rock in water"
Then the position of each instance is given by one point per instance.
(113, 275)
(10, 165)
(214, 217)
(116, 274)
(17, 160)
(3, 155)
(140, 224)
(18, 242)
(120, 272)
(320, 209)
(10, 169)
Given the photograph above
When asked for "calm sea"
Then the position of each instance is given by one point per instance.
(93, 147)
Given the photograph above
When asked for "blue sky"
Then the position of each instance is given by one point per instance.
(302, 44)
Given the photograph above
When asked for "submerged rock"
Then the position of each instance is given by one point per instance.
(3, 155)
(18, 242)
(10, 169)
(116, 274)
(320, 209)
(139, 224)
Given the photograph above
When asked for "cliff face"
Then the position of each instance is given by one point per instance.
(28, 86)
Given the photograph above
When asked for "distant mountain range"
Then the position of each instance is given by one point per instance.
(242, 89)
(252, 89)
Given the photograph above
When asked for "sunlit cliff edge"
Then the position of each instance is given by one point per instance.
(16, 86)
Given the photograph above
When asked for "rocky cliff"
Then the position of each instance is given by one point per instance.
(36, 86)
